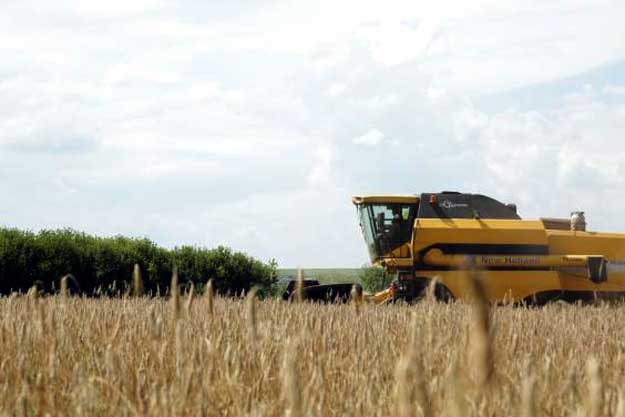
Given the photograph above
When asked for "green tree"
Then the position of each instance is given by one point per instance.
(374, 278)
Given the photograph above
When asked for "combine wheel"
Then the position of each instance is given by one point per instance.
(412, 290)
(543, 298)
(442, 293)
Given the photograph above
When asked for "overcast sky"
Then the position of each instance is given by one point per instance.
(252, 123)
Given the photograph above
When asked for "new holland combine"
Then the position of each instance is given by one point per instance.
(450, 235)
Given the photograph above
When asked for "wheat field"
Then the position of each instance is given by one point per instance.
(200, 356)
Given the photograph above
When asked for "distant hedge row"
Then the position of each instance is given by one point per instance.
(105, 265)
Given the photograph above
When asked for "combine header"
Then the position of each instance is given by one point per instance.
(450, 235)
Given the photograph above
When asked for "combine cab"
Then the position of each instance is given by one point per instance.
(450, 235)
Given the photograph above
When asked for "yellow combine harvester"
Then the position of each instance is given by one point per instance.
(449, 235)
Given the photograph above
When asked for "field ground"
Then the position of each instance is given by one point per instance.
(154, 357)
(324, 275)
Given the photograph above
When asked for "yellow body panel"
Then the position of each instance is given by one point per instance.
(610, 245)
(386, 199)
(518, 285)
(436, 231)
(498, 285)
(504, 284)
(380, 297)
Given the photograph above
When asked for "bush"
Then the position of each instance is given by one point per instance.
(106, 264)
(374, 278)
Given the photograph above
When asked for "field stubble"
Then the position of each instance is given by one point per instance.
(224, 357)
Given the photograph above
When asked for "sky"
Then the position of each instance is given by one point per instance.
(252, 123)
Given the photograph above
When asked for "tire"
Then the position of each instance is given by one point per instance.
(442, 293)
(414, 290)
(543, 298)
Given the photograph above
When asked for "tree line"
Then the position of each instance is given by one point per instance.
(104, 265)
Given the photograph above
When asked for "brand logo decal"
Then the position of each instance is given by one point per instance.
(511, 260)
(449, 205)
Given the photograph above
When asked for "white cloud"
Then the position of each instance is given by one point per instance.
(567, 157)
(336, 89)
(617, 90)
(380, 103)
(321, 170)
(113, 8)
(129, 72)
(372, 138)
(394, 43)
(435, 93)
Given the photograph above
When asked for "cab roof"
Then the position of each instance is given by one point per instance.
(382, 199)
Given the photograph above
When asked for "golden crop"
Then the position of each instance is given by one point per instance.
(63, 356)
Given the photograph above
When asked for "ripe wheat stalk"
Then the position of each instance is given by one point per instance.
(137, 282)
(65, 355)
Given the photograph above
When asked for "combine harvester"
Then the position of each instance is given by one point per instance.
(450, 235)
